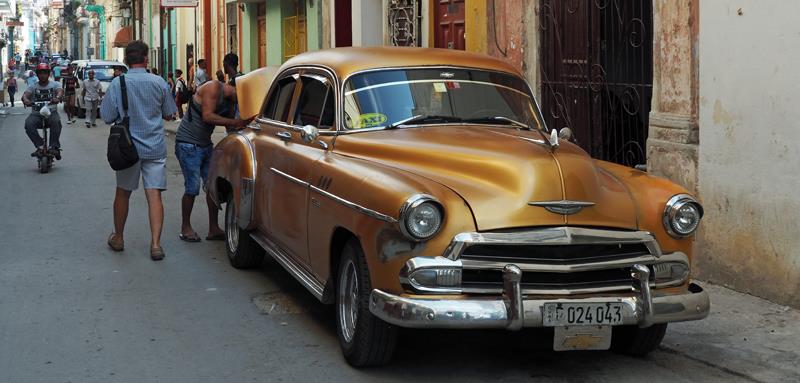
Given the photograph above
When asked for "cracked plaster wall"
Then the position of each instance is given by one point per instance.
(749, 157)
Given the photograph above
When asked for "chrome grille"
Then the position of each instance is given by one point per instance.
(556, 261)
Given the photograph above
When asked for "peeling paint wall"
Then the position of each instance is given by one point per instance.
(506, 30)
(749, 157)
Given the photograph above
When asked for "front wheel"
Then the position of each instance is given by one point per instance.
(635, 341)
(365, 340)
(243, 251)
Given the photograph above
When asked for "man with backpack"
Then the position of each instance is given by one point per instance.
(182, 92)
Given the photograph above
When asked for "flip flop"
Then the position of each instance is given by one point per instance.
(189, 238)
(216, 237)
(156, 253)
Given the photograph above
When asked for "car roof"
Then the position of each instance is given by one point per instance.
(346, 61)
(103, 62)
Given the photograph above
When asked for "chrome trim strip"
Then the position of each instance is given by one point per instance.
(434, 312)
(562, 207)
(564, 235)
(551, 268)
(385, 84)
(246, 202)
(354, 206)
(289, 177)
(298, 272)
(249, 143)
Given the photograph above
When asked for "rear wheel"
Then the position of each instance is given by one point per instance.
(635, 341)
(243, 251)
(365, 339)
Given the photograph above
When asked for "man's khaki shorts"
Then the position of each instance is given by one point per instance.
(153, 173)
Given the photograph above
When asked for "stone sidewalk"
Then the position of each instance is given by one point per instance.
(743, 335)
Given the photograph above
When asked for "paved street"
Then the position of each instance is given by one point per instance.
(71, 310)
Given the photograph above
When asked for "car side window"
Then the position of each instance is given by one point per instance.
(280, 100)
(315, 105)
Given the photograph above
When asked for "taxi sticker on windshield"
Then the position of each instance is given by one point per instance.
(439, 87)
(371, 120)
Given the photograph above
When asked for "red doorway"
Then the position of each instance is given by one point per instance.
(344, 23)
(449, 20)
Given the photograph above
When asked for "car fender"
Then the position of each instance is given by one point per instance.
(233, 163)
(364, 198)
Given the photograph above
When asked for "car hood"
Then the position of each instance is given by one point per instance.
(499, 172)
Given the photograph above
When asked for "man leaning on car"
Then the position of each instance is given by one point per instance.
(213, 104)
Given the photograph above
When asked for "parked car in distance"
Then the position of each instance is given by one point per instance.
(103, 71)
(420, 188)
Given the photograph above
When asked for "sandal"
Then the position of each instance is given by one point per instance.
(216, 237)
(157, 253)
(116, 243)
(189, 238)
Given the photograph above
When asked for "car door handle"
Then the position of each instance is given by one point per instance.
(284, 135)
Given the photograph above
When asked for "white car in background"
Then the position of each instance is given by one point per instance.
(103, 71)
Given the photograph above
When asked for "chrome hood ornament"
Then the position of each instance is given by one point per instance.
(562, 207)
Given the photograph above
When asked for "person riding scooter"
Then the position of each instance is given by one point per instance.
(44, 90)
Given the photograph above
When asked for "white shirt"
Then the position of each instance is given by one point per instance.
(200, 77)
(93, 89)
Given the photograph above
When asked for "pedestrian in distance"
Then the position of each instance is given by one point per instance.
(11, 85)
(200, 76)
(149, 103)
(92, 93)
(70, 83)
(154, 71)
(182, 92)
(171, 83)
(220, 75)
(2, 89)
(212, 105)
(117, 72)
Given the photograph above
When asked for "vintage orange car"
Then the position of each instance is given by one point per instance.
(420, 188)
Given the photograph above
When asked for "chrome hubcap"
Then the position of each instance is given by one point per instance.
(231, 228)
(348, 301)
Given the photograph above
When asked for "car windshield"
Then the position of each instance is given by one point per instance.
(390, 98)
(102, 72)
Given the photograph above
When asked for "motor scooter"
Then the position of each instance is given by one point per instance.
(44, 157)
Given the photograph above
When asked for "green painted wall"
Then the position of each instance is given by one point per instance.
(313, 24)
(274, 33)
(249, 57)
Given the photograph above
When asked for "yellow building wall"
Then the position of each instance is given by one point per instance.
(476, 27)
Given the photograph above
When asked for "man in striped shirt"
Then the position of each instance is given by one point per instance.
(149, 102)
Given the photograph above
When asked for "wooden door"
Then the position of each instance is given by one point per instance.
(449, 19)
(597, 74)
(262, 35)
(344, 23)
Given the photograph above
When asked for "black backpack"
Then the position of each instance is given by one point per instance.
(121, 152)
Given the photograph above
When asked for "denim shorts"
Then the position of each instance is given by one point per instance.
(153, 173)
(194, 162)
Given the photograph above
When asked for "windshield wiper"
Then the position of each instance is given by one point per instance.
(421, 118)
(500, 118)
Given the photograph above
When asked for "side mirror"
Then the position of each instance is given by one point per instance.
(565, 134)
(309, 133)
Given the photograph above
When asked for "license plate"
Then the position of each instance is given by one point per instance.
(581, 314)
(569, 338)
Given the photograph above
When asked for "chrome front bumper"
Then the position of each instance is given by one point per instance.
(514, 311)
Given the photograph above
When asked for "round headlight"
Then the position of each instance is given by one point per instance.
(421, 217)
(682, 216)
